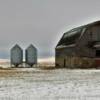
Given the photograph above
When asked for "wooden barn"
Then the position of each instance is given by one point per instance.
(79, 47)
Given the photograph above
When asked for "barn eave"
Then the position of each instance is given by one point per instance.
(65, 46)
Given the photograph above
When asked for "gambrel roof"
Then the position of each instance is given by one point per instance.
(71, 36)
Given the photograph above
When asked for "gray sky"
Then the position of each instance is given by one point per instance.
(42, 22)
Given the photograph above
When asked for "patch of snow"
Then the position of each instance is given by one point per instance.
(60, 84)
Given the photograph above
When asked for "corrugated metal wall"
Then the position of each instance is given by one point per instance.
(31, 55)
(16, 55)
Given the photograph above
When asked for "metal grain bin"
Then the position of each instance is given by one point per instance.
(31, 55)
(16, 55)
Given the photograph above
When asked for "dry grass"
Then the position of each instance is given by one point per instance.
(11, 72)
(18, 72)
(47, 67)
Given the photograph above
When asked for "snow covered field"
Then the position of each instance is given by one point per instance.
(58, 84)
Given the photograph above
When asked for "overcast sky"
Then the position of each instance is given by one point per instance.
(42, 22)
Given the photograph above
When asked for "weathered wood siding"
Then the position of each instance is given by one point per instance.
(62, 54)
(82, 45)
(96, 32)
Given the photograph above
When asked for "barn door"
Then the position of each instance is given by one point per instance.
(64, 62)
(98, 53)
(97, 57)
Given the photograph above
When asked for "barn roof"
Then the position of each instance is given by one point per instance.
(71, 36)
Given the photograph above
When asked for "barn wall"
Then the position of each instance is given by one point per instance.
(91, 34)
(95, 30)
(62, 56)
(70, 61)
(82, 47)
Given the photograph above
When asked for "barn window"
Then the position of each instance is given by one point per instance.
(97, 53)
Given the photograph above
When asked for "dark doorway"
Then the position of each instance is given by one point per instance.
(97, 53)
(64, 62)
